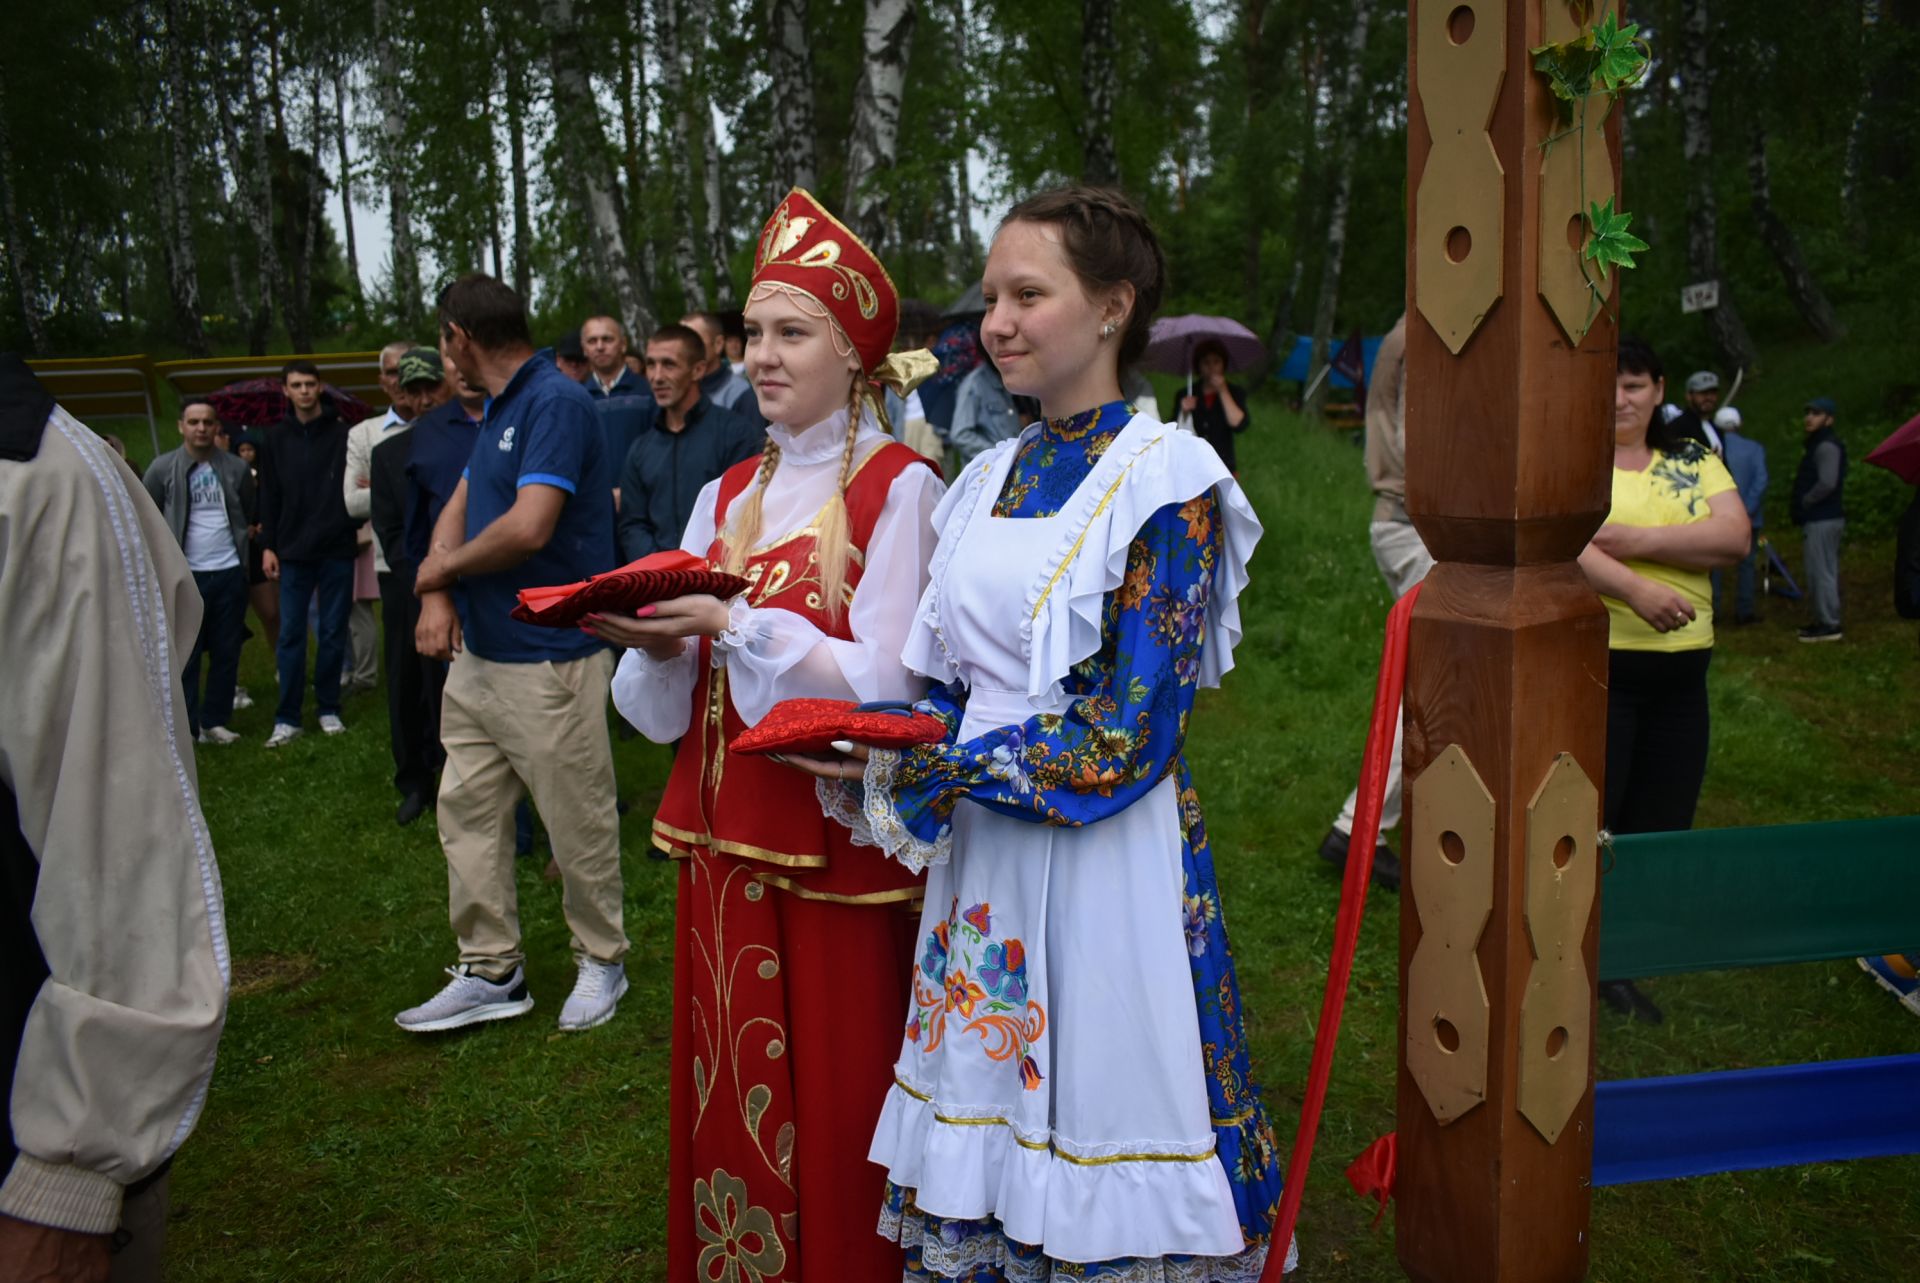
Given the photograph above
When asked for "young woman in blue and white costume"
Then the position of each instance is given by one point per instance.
(1073, 1096)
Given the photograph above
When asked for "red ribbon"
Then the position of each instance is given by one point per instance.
(1346, 927)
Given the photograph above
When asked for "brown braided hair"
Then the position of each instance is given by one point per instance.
(1108, 241)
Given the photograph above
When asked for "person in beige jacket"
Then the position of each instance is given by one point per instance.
(113, 949)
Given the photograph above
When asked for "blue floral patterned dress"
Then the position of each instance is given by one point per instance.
(1074, 1096)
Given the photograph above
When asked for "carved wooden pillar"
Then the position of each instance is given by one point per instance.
(1509, 449)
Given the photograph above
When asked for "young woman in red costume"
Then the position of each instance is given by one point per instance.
(793, 947)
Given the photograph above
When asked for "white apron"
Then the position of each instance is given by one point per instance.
(1076, 1114)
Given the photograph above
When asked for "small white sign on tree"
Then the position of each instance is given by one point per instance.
(1700, 297)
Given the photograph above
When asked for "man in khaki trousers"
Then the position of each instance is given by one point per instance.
(524, 709)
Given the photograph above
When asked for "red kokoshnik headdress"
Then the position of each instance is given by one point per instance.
(805, 249)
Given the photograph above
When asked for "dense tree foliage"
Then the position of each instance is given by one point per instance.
(171, 175)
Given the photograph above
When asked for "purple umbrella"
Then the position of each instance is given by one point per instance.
(1171, 342)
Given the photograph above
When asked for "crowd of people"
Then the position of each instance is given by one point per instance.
(1072, 1088)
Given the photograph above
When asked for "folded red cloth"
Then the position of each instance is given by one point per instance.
(657, 577)
(811, 726)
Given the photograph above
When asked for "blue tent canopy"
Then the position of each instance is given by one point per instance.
(1299, 368)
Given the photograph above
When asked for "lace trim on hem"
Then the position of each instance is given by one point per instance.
(956, 1249)
(884, 825)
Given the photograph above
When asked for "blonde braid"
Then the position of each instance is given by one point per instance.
(832, 542)
(743, 525)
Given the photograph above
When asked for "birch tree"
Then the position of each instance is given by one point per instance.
(19, 253)
(1099, 162)
(1348, 122)
(1703, 219)
(874, 146)
(577, 118)
(176, 184)
(790, 65)
(393, 130)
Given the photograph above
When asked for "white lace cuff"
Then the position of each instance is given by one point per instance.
(886, 829)
(842, 802)
(739, 631)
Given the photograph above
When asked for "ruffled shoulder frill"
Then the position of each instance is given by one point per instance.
(1149, 466)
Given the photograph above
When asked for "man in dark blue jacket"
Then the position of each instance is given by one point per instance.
(687, 442)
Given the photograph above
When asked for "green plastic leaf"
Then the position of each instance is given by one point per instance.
(1609, 243)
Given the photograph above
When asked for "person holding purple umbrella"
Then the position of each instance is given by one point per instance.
(1218, 408)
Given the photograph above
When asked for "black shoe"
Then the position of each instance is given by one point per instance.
(1386, 865)
(1625, 997)
(412, 807)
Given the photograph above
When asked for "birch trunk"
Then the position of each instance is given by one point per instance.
(393, 130)
(1098, 163)
(346, 173)
(576, 117)
(790, 63)
(1703, 220)
(300, 303)
(183, 267)
(1802, 286)
(1347, 121)
(260, 208)
(517, 160)
(19, 254)
(874, 143)
(713, 240)
(676, 100)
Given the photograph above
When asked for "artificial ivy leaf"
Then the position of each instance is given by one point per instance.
(1610, 243)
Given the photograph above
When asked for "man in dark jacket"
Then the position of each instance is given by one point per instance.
(688, 442)
(207, 497)
(1816, 508)
(310, 544)
(413, 731)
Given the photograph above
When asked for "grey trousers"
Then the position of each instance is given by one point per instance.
(1823, 570)
(1404, 561)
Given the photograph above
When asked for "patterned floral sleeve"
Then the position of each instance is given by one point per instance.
(1122, 733)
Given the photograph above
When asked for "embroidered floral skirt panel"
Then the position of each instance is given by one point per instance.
(1052, 1075)
(785, 1021)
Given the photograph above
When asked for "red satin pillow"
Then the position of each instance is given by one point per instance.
(658, 577)
(811, 726)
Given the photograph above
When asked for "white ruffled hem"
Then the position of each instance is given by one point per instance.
(882, 825)
(1072, 1211)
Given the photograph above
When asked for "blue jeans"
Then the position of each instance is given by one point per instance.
(223, 626)
(299, 581)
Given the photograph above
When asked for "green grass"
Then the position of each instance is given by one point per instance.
(336, 1148)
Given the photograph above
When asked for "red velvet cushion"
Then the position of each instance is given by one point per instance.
(811, 726)
(658, 577)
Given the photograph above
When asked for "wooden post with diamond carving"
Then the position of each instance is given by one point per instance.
(1510, 365)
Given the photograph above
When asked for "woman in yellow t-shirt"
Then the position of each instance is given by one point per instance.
(1676, 516)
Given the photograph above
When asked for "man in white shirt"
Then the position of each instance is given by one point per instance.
(206, 495)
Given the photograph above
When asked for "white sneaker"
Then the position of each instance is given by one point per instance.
(331, 723)
(467, 1000)
(218, 735)
(284, 733)
(596, 992)
(241, 699)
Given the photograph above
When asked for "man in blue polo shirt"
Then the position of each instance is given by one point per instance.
(524, 709)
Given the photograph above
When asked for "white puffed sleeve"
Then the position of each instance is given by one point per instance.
(656, 696)
(774, 654)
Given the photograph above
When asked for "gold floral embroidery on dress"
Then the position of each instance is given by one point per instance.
(740, 1242)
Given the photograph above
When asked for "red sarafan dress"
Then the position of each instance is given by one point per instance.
(793, 946)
